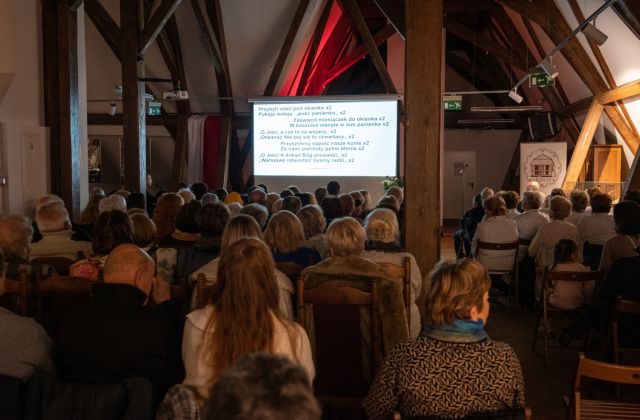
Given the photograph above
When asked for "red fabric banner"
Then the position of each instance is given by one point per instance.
(211, 151)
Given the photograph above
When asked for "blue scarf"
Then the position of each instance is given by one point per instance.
(462, 331)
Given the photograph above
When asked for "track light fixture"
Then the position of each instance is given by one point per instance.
(113, 108)
(514, 95)
(548, 67)
(594, 34)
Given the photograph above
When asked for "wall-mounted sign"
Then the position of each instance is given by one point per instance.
(540, 80)
(452, 102)
(155, 108)
(545, 163)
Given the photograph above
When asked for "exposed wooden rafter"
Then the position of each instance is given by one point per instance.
(582, 146)
(105, 24)
(155, 23)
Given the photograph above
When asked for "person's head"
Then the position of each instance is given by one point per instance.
(345, 238)
(165, 213)
(486, 193)
(47, 199)
(476, 201)
(264, 187)
(258, 196)
(533, 186)
(284, 233)
(96, 191)
(233, 197)
(186, 218)
(320, 193)
(128, 264)
(494, 206)
(557, 191)
(565, 251)
(209, 198)
(286, 193)
(532, 200)
(579, 200)
(234, 208)
(136, 201)
(246, 275)
(312, 219)
(331, 207)
(459, 291)
(271, 199)
(123, 193)
(112, 228)
(53, 218)
(15, 236)
(511, 199)
(601, 203)
(212, 218)
(113, 202)
(381, 225)
(626, 217)
(593, 191)
(333, 188)
(559, 207)
(307, 198)
(144, 230)
(632, 195)
(294, 189)
(347, 203)
(187, 195)
(389, 202)
(292, 204)
(242, 226)
(91, 211)
(258, 212)
(221, 193)
(262, 386)
(358, 201)
(366, 200)
(199, 189)
(397, 192)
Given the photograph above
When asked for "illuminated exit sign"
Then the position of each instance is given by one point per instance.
(452, 102)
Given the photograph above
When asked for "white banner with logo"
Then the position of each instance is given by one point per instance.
(545, 163)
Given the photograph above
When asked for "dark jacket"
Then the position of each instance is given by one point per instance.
(114, 337)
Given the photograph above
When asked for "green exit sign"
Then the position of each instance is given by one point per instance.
(452, 103)
(155, 108)
(540, 80)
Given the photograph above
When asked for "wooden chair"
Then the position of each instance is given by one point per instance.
(508, 247)
(507, 414)
(550, 277)
(340, 380)
(291, 269)
(16, 297)
(202, 291)
(60, 264)
(404, 273)
(624, 308)
(586, 409)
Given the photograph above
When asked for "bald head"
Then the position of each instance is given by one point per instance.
(128, 264)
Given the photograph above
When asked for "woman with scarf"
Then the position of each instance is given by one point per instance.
(452, 369)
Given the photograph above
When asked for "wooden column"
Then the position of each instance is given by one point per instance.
(59, 30)
(133, 107)
(423, 108)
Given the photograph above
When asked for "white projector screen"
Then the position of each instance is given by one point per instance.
(326, 136)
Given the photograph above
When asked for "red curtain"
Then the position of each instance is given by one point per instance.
(211, 151)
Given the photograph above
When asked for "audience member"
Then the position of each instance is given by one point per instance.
(113, 202)
(529, 222)
(209, 198)
(285, 237)
(453, 369)
(55, 227)
(136, 200)
(199, 189)
(262, 386)
(264, 187)
(320, 193)
(579, 202)
(258, 196)
(396, 192)
(331, 208)
(292, 204)
(187, 195)
(383, 246)
(24, 345)
(218, 335)
(165, 214)
(258, 212)
(233, 197)
(495, 228)
(486, 192)
(358, 201)
(468, 224)
(596, 228)
(90, 213)
(271, 199)
(234, 209)
(348, 205)
(186, 232)
(294, 189)
(313, 225)
(307, 198)
(632, 195)
(221, 193)
(96, 191)
(626, 217)
(286, 193)
(533, 186)
(511, 199)
(333, 188)
(144, 232)
(389, 202)
(117, 334)
(15, 234)
(569, 294)
(366, 202)
(122, 193)
(144, 236)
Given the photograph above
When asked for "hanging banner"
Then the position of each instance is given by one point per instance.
(545, 163)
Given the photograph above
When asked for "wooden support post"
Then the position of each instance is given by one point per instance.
(423, 114)
(155, 24)
(59, 24)
(582, 146)
(133, 106)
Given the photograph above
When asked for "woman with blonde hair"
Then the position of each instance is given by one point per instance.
(383, 246)
(453, 369)
(218, 335)
(244, 226)
(165, 213)
(285, 237)
(90, 213)
(495, 228)
(313, 225)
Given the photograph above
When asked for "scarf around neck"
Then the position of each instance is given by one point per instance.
(461, 331)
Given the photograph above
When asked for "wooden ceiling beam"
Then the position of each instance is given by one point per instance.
(466, 6)
(105, 24)
(625, 91)
(286, 47)
(629, 12)
(74, 5)
(620, 124)
(576, 107)
(365, 34)
(155, 24)
(394, 12)
(582, 146)
(210, 41)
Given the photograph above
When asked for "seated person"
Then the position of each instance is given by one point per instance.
(262, 386)
(144, 236)
(258, 212)
(596, 228)
(511, 199)
(24, 345)
(313, 225)
(217, 335)
(579, 202)
(239, 227)
(468, 224)
(112, 228)
(15, 236)
(347, 267)
(285, 236)
(383, 246)
(569, 294)
(530, 221)
(453, 369)
(164, 215)
(186, 232)
(54, 225)
(117, 334)
(626, 218)
(495, 228)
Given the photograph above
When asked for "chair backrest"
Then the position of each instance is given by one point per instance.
(60, 264)
(61, 293)
(18, 288)
(624, 308)
(508, 247)
(401, 272)
(603, 371)
(552, 276)
(340, 368)
(202, 291)
(291, 269)
(524, 242)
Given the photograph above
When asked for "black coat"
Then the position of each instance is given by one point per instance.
(114, 337)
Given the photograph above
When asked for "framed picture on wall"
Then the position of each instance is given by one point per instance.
(95, 161)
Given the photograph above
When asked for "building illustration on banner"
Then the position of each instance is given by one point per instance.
(544, 163)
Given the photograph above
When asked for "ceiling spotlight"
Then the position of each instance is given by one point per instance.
(514, 95)
(548, 67)
(113, 108)
(594, 34)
